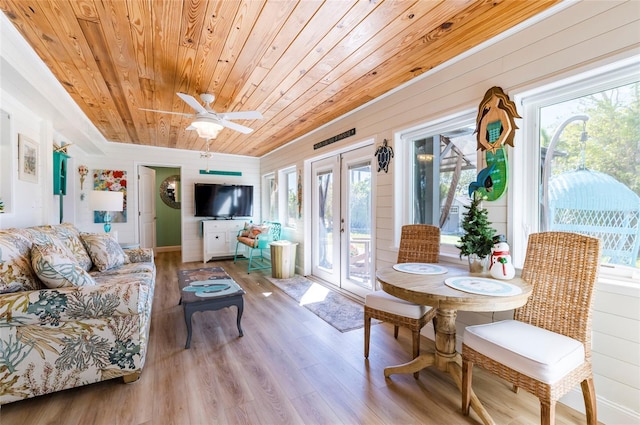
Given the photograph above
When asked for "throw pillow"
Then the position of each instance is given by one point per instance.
(258, 229)
(104, 251)
(71, 238)
(64, 233)
(16, 273)
(56, 266)
(246, 231)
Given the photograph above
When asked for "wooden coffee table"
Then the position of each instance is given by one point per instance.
(208, 294)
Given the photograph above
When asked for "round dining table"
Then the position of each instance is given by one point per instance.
(431, 290)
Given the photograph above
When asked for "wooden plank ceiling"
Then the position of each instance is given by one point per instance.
(300, 63)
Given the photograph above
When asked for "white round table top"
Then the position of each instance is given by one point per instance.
(431, 290)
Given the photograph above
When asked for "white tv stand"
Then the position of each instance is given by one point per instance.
(219, 238)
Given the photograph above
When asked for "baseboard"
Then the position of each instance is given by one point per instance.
(608, 412)
(168, 248)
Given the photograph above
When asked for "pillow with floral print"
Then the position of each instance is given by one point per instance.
(16, 273)
(258, 229)
(56, 266)
(64, 233)
(104, 251)
(246, 230)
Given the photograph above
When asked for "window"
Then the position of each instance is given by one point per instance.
(587, 154)
(289, 197)
(270, 197)
(6, 156)
(440, 163)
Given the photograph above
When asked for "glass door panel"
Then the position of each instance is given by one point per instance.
(342, 220)
(358, 232)
(326, 220)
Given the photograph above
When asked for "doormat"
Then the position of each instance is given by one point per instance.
(335, 309)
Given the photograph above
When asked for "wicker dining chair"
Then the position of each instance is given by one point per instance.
(546, 348)
(419, 243)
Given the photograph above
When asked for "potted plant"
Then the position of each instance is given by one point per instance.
(477, 241)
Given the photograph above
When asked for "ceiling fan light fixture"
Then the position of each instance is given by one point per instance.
(207, 128)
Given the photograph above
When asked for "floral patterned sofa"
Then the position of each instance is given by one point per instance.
(74, 309)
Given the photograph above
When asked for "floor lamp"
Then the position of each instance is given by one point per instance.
(107, 201)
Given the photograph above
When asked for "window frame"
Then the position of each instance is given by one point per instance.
(283, 204)
(523, 206)
(403, 180)
(266, 197)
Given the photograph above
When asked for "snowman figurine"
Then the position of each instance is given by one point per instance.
(501, 266)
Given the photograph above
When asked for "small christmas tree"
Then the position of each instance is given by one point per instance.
(478, 237)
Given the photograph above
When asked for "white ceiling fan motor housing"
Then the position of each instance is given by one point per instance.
(207, 98)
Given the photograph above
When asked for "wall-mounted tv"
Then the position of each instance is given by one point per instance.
(223, 201)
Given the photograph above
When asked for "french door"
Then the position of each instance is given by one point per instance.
(342, 220)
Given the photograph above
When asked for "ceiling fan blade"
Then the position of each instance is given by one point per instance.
(236, 127)
(191, 101)
(167, 112)
(242, 115)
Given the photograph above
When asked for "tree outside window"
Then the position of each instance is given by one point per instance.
(590, 169)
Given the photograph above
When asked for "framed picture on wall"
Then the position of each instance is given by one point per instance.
(116, 181)
(27, 159)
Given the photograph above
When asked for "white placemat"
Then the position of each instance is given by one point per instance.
(420, 268)
(483, 286)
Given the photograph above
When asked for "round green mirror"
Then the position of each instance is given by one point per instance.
(170, 191)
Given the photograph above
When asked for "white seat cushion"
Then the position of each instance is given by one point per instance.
(535, 352)
(380, 300)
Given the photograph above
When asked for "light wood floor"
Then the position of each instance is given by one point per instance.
(290, 367)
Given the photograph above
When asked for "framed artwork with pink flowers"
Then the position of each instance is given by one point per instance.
(114, 180)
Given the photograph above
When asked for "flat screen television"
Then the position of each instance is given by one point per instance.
(223, 201)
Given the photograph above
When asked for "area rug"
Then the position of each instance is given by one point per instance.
(336, 309)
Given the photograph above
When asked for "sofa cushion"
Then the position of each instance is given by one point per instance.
(124, 270)
(381, 300)
(139, 255)
(125, 279)
(247, 241)
(56, 266)
(65, 233)
(536, 352)
(16, 273)
(104, 251)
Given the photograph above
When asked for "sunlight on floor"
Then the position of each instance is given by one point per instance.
(267, 294)
(314, 294)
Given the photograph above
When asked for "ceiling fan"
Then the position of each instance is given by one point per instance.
(208, 122)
